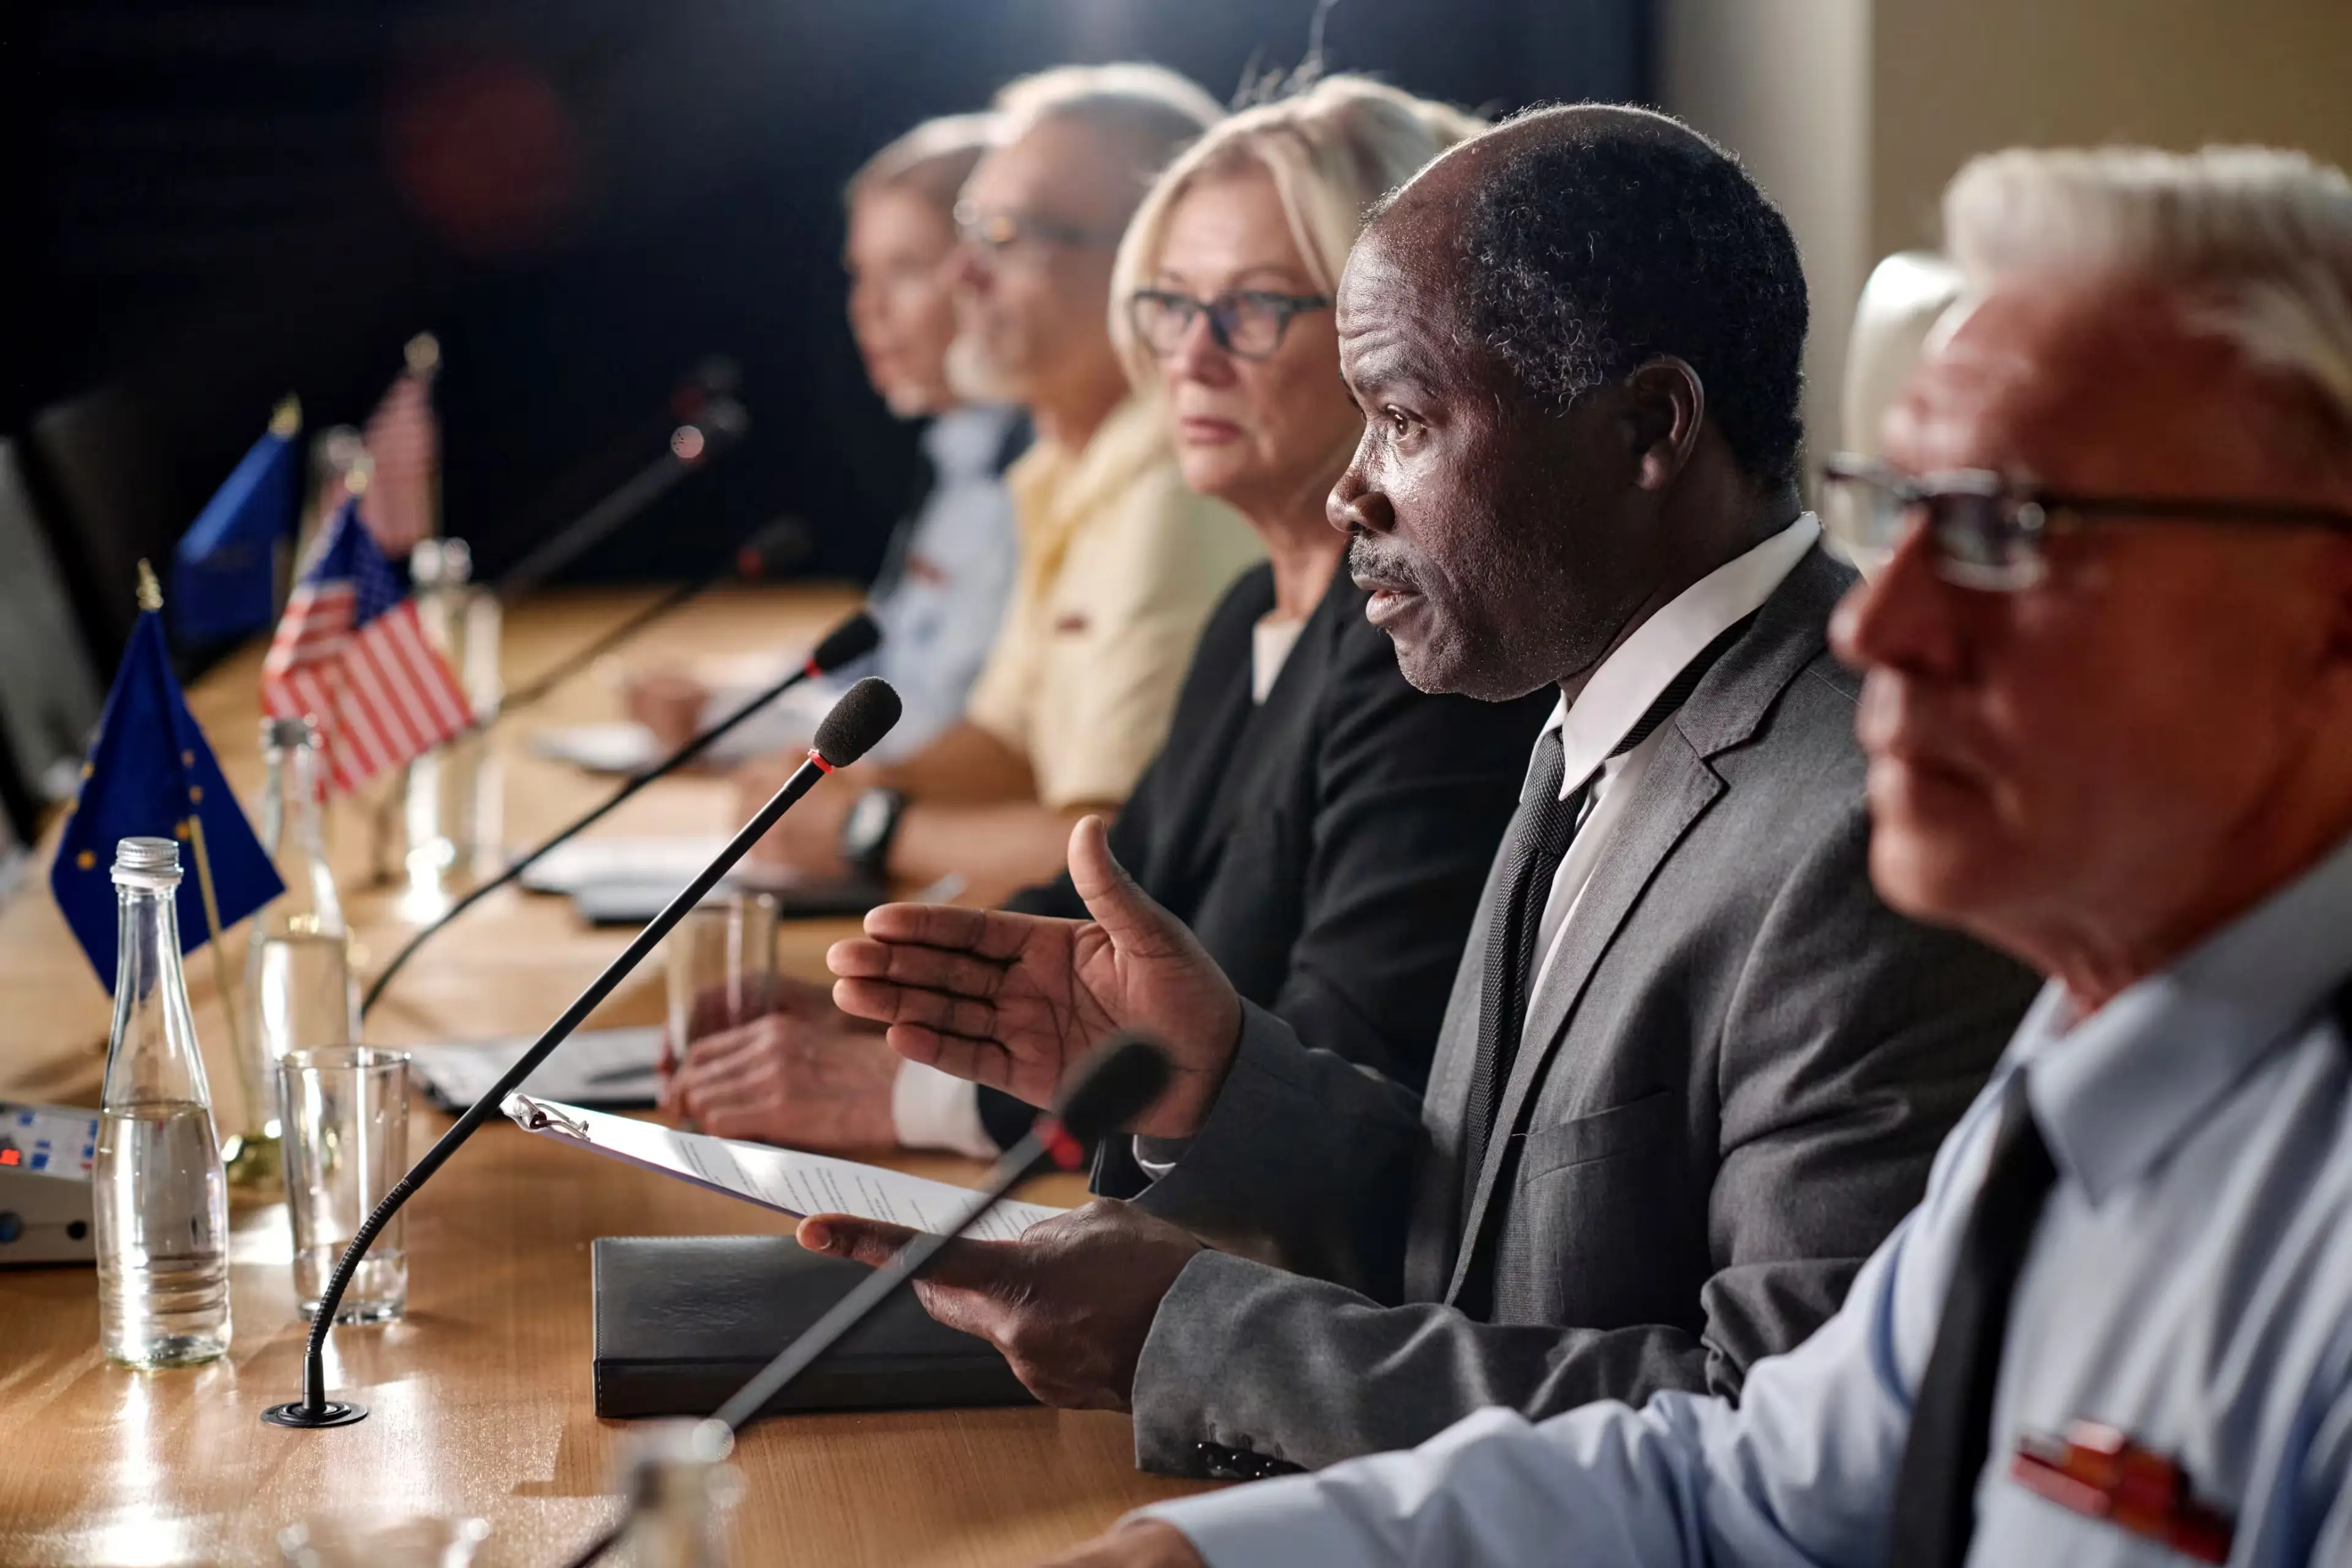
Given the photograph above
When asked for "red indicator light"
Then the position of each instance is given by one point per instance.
(8, 1156)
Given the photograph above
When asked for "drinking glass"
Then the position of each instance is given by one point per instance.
(722, 966)
(346, 1143)
(382, 1541)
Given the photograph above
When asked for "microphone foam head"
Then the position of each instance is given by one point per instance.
(862, 716)
(855, 638)
(1120, 1085)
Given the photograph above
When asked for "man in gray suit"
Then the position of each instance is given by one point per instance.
(1693, 1070)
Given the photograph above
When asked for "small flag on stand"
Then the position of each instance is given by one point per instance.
(224, 570)
(351, 654)
(151, 775)
(401, 504)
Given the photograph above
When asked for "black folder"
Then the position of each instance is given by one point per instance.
(682, 1322)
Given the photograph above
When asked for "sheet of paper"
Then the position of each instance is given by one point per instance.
(596, 1066)
(568, 867)
(780, 1179)
(618, 747)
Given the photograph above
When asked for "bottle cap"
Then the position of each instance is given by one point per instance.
(285, 734)
(149, 862)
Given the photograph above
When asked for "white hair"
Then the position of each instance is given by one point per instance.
(1144, 114)
(2261, 239)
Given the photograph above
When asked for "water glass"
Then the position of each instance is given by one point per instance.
(386, 1540)
(346, 1143)
(722, 966)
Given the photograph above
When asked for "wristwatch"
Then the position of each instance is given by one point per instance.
(867, 831)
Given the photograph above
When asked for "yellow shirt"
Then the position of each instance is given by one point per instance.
(1120, 566)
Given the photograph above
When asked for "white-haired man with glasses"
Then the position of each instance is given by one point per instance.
(1120, 563)
(2108, 713)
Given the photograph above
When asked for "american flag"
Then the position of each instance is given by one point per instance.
(351, 654)
(403, 445)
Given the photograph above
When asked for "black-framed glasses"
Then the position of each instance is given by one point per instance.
(1987, 530)
(1247, 323)
(994, 233)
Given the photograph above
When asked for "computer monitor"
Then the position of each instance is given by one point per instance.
(50, 693)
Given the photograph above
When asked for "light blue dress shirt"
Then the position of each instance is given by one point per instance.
(942, 607)
(939, 602)
(2190, 1284)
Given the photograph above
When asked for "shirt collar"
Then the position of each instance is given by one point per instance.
(1056, 486)
(2113, 1093)
(1630, 678)
(963, 443)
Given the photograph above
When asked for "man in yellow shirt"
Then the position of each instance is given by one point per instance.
(1120, 563)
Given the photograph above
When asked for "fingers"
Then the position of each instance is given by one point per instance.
(991, 934)
(960, 1265)
(1125, 911)
(892, 1004)
(933, 968)
(983, 1062)
(868, 1241)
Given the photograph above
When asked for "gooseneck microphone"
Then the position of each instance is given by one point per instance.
(1119, 1084)
(852, 640)
(862, 716)
(718, 426)
(781, 544)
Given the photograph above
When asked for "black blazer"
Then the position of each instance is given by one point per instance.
(1327, 845)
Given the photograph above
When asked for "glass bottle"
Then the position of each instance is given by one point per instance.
(454, 790)
(298, 992)
(159, 1195)
(680, 1491)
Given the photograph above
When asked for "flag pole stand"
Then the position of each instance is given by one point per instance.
(251, 1157)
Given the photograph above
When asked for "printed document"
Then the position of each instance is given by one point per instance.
(780, 1179)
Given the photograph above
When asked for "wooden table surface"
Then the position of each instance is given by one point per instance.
(479, 1400)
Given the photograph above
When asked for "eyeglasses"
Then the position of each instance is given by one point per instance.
(993, 234)
(1247, 323)
(1987, 531)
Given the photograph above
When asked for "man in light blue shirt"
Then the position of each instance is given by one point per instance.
(2109, 718)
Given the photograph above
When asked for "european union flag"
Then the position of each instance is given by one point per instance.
(150, 772)
(225, 572)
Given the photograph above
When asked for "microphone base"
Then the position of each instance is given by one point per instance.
(334, 1413)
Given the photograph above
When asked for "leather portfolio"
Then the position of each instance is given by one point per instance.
(683, 1322)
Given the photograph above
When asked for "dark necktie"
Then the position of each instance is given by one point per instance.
(1951, 1421)
(1547, 827)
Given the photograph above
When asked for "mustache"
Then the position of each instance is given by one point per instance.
(1373, 559)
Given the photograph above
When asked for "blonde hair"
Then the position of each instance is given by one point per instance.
(1332, 151)
(931, 162)
(2261, 240)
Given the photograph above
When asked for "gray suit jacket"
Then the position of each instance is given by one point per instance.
(1728, 1093)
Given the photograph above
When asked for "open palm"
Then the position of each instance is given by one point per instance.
(1016, 1002)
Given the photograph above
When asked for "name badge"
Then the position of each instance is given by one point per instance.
(2097, 1471)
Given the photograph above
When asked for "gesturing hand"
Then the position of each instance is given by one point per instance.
(1015, 1001)
(1069, 1303)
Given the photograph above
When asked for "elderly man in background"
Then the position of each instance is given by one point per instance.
(2109, 718)
(1120, 563)
(948, 570)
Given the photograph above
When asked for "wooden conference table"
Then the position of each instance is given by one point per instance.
(481, 1399)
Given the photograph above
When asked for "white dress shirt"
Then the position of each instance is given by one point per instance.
(2188, 1285)
(1620, 691)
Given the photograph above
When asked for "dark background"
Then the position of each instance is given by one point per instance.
(211, 206)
